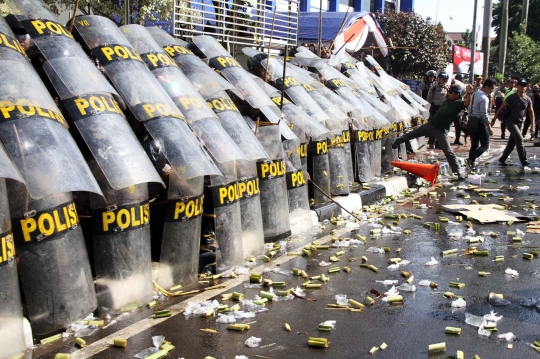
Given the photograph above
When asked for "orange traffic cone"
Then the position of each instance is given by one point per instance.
(427, 172)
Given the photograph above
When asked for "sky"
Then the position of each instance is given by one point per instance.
(455, 15)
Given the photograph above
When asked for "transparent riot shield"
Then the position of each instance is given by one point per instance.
(53, 262)
(339, 176)
(145, 97)
(319, 169)
(235, 125)
(179, 258)
(249, 195)
(363, 139)
(297, 189)
(272, 183)
(228, 218)
(11, 330)
(221, 60)
(121, 237)
(206, 81)
(91, 103)
(35, 133)
(296, 116)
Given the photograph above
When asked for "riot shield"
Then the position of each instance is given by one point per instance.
(121, 237)
(90, 102)
(272, 183)
(297, 189)
(179, 258)
(53, 262)
(233, 122)
(249, 195)
(35, 134)
(145, 97)
(296, 116)
(206, 81)
(228, 219)
(363, 140)
(295, 91)
(11, 330)
(221, 60)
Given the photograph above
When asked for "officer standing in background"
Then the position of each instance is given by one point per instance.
(425, 85)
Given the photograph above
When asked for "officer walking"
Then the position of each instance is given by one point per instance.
(518, 105)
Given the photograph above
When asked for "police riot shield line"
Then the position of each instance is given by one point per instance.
(171, 145)
(213, 87)
(121, 237)
(363, 137)
(206, 124)
(45, 229)
(318, 160)
(122, 260)
(206, 80)
(11, 330)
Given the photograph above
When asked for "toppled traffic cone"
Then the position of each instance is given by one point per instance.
(427, 172)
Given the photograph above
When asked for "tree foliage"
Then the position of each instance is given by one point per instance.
(522, 58)
(514, 18)
(409, 29)
(467, 39)
(141, 10)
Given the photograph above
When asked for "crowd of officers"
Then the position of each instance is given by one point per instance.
(516, 104)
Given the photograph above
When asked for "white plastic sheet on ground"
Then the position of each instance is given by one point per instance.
(252, 342)
(432, 262)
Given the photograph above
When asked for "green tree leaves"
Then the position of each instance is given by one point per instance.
(408, 29)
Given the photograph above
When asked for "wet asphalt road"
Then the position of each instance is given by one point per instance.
(408, 329)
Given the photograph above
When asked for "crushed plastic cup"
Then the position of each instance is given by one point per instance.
(406, 287)
(473, 320)
(432, 262)
(527, 302)
(493, 317)
(509, 337)
(459, 303)
(476, 178)
(341, 299)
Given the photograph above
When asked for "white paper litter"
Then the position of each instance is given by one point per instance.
(253, 342)
(520, 233)
(425, 283)
(391, 292)
(508, 336)
(396, 266)
(432, 262)
(237, 357)
(386, 230)
(253, 285)
(387, 282)
(471, 232)
(329, 323)
(459, 303)
(324, 264)
(300, 292)
(483, 331)
(248, 306)
(511, 272)
(225, 319)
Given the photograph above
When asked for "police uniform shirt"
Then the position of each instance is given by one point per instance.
(437, 95)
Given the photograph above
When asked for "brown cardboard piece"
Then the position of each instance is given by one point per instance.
(486, 213)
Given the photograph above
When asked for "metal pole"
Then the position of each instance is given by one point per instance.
(126, 4)
(524, 16)
(473, 45)
(320, 28)
(486, 46)
(503, 37)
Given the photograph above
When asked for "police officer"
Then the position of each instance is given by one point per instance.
(436, 96)
(424, 86)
